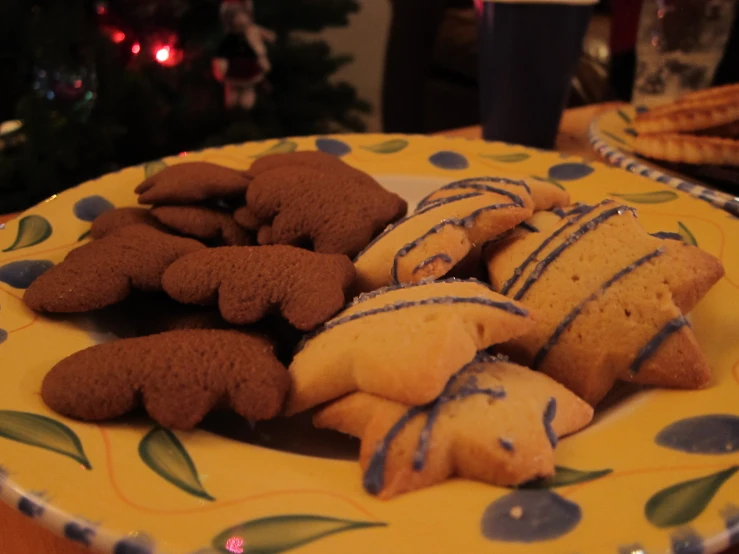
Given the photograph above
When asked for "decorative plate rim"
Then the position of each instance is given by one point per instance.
(624, 159)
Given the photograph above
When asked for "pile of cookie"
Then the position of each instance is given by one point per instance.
(462, 339)
(700, 127)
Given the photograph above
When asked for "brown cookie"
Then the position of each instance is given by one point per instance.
(247, 282)
(191, 182)
(106, 271)
(337, 213)
(246, 218)
(178, 377)
(203, 223)
(320, 161)
(112, 220)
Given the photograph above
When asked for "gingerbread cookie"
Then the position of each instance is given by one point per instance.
(191, 183)
(203, 223)
(105, 271)
(319, 161)
(248, 282)
(495, 422)
(178, 377)
(609, 300)
(403, 342)
(447, 227)
(246, 218)
(336, 213)
(113, 220)
(545, 196)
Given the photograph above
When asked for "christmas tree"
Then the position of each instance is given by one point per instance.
(100, 85)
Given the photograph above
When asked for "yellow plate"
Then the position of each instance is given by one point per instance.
(131, 488)
(612, 135)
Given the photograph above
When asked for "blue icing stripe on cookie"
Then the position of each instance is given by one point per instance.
(584, 229)
(656, 341)
(549, 414)
(428, 205)
(577, 310)
(506, 444)
(531, 257)
(433, 206)
(374, 476)
(402, 286)
(466, 221)
(668, 235)
(476, 183)
(509, 307)
(431, 259)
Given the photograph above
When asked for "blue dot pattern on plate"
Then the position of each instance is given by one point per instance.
(3, 335)
(22, 273)
(707, 434)
(88, 208)
(529, 516)
(687, 542)
(333, 146)
(75, 532)
(569, 171)
(446, 159)
(29, 508)
(130, 547)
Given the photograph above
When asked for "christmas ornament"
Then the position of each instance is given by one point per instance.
(241, 60)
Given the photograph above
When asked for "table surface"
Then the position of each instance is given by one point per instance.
(19, 535)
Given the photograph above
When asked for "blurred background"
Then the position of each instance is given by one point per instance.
(90, 86)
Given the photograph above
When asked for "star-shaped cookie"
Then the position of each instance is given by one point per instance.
(495, 422)
(402, 342)
(609, 300)
(445, 228)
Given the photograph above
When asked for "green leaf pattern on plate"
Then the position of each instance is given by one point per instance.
(163, 452)
(387, 147)
(684, 232)
(653, 197)
(565, 476)
(549, 180)
(271, 535)
(281, 147)
(683, 502)
(32, 230)
(152, 168)
(507, 158)
(44, 432)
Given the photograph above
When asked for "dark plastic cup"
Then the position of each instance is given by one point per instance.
(528, 56)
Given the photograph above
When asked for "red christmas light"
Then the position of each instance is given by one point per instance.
(136, 48)
(162, 54)
(118, 36)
